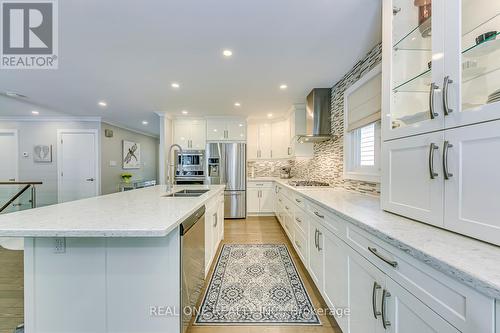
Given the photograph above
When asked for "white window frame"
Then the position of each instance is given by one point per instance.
(351, 169)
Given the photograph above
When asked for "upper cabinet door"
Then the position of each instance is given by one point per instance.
(253, 141)
(280, 139)
(472, 88)
(198, 134)
(472, 188)
(216, 130)
(413, 65)
(236, 130)
(182, 133)
(412, 178)
(265, 137)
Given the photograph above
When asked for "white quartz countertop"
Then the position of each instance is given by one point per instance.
(472, 262)
(138, 213)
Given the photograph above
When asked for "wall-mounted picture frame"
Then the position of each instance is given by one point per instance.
(131, 155)
(42, 153)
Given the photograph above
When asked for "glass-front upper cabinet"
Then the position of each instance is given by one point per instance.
(415, 29)
(473, 63)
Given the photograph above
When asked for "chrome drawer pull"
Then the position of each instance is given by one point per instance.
(376, 287)
(298, 220)
(319, 215)
(385, 323)
(298, 201)
(373, 250)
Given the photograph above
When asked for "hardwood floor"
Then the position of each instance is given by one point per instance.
(11, 290)
(255, 230)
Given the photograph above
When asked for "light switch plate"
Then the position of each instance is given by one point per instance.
(112, 163)
(25, 154)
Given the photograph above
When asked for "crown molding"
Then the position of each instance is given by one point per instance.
(50, 118)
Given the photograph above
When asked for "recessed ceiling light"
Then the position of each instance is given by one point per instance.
(103, 104)
(283, 86)
(237, 104)
(175, 85)
(34, 112)
(227, 53)
(144, 122)
(269, 115)
(184, 112)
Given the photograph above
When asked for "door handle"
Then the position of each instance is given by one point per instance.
(432, 148)
(373, 250)
(446, 84)
(90, 179)
(433, 89)
(376, 287)
(385, 323)
(446, 147)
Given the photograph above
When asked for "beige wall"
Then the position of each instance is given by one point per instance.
(111, 151)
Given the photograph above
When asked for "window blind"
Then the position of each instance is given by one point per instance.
(364, 104)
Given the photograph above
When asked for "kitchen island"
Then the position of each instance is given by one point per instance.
(105, 264)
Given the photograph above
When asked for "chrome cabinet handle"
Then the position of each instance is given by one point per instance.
(446, 107)
(433, 89)
(215, 220)
(298, 220)
(90, 179)
(319, 235)
(376, 287)
(319, 215)
(432, 148)
(298, 201)
(385, 323)
(316, 238)
(446, 147)
(373, 250)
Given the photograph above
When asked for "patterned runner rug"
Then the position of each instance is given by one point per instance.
(256, 284)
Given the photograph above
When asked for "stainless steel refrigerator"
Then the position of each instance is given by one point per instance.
(226, 164)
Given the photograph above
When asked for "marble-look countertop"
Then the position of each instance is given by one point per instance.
(472, 262)
(138, 213)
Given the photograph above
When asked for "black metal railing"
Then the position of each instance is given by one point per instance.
(31, 186)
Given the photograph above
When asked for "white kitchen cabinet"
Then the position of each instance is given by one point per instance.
(472, 190)
(408, 188)
(405, 313)
(214, 229)
(190, 133)
(316, 253)
(297, 122)
(253, 141)
(437, 76)
(280, 139)
(336, 267)
(260, 198)
(222, 129)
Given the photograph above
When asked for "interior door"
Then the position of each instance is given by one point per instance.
(472, 194)
(365, 286)
(409, 187)
(407, 314)
(8, 166)
(77, 165)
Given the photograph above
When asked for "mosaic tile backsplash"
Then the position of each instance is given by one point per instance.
(327, 162)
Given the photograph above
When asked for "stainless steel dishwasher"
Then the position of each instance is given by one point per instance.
(192, 232)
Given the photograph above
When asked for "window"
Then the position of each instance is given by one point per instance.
(362, 105)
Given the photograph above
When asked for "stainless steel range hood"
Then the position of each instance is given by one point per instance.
(318, 116)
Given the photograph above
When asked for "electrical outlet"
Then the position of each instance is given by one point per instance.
(60, 245)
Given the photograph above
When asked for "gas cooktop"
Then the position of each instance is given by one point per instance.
(299, 183)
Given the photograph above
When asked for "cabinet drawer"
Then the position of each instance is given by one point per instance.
(300, 218)
(299, 201)
(300, 244)
(260, 184)
(327, 219)
(459, 305)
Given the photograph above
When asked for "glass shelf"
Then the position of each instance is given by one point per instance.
(485, 48)
(414, 41)
(419, 83)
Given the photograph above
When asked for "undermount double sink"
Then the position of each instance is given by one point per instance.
(186, 193)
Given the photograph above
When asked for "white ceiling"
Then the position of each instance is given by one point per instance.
(129, 52)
